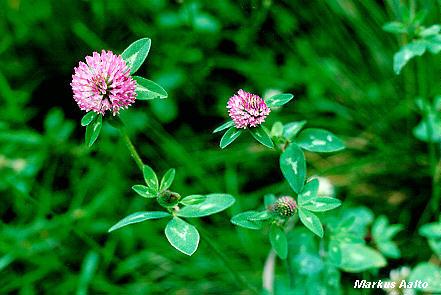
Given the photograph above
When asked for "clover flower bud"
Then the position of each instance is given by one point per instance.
(285, 206)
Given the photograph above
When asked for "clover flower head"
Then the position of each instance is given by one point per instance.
(247, 109)
(103, 83)
(286, 206)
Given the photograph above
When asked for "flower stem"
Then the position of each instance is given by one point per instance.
(241, 281)
(131, 148)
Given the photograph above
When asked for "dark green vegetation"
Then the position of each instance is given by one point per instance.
(59, 198)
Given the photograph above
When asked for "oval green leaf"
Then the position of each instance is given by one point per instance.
(139, 217)
(334, 252)
(93, 130)
(359, 257)
(427, 272)
(183, 236)
(406, 53)
(311, 221)
(147, 89)
(193, 199)
(224, 126)
(431, 230)
(136, 53)
(309, 191)
(279, 100)
(243, 220)
(293, 166)
(229, 136)
(321, 204)
(144, 191)
(278, 241)
(260, 134)
(212, 204)
(167, 179)
(150, 177)
(88, 118)
(290, 130)
(319, 140)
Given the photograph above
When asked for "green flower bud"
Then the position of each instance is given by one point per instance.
(168, 199)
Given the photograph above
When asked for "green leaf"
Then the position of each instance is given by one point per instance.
(430, 31)
(150, 177)
(277, 129)
(183, 236)
(167, 179)
(278, 241)
(193, 199)
(144, 191)
(293, 166)
(260, 134)
(212, 204)
(433, 43)
(334, 252)
(93, 130)
(290, 130)
(88, 118)
(435, 245)
(147, 89)
(431, 134)
(392, 230)
(321, 204)
(260, 216)
(224, 126)
(406, 53)
(379, 227)
(382, 231)
(395, 27)
(431, 230)
(279, 100)
(319, 140)
(389, 249)
(359, 257)
(311, 221)
(427, 272)
(136, 53)
(308, 264)
(139, 217)
(309, 191)
(243, 220)
(229, 136)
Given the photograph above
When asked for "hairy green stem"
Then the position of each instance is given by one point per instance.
(241, 281)
(131, 148)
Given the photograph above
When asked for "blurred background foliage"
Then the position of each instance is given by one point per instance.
(58, 198)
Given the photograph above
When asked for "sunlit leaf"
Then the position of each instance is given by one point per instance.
(229, 136)
(139, 217)
(319, 140)
(278, 241)
(167, 179)
(260, 134)
(147, 89)
(212, 204)
(135, 54)
(183, 236)
(293, 166)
